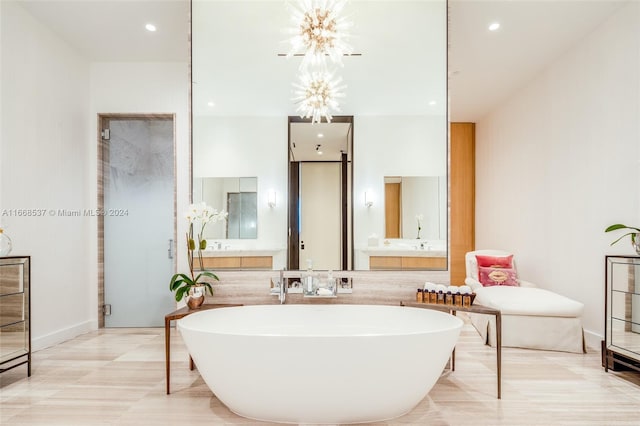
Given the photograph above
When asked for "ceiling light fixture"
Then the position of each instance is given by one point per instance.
(320, 135)
(319, 31)
(432, 103)
(211, 103)
(150, 27)
(318, 94)
(318, 150)
(494, 26)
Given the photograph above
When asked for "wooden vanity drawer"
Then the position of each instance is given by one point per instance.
(238, 262)
(406, 262)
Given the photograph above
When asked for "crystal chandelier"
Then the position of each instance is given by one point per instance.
(317, 94)
(319, 31)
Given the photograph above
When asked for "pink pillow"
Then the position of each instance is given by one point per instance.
(495, 261)
(497, 276)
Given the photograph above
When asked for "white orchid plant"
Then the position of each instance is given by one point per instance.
(419, 219)
(201, 214)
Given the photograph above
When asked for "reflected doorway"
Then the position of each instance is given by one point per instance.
(320, 182)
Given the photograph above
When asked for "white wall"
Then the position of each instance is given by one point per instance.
(141, 88)
(43, 168)
(559, 162)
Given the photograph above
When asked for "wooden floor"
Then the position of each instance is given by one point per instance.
(116, 377)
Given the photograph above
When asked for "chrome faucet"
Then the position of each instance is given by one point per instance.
(283, 288)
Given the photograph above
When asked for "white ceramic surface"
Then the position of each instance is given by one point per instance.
(320, 363)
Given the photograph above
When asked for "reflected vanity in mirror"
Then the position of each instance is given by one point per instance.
(394, 94)
(414, 225)
(232, 243)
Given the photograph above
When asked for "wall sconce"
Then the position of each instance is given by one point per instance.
(271, 198)
(368, 198)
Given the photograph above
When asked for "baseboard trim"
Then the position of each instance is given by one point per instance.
(52, 339)
(593, 339)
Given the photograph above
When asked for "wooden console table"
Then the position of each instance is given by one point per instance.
(174, 316)
(476, 309)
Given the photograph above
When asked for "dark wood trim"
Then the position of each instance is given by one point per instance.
(294, 216)
(344, 201)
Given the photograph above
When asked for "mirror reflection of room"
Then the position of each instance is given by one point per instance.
(320, 171)
(394, 86)
(236, 196)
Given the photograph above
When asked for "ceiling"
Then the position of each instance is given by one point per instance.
(485, 68)
(114, 30)
(319, 141)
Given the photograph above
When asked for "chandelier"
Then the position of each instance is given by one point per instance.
(317, 94)
(319, 31)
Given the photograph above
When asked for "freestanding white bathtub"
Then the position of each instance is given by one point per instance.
(320, 363)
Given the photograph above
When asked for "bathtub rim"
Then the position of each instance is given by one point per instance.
(191, 323)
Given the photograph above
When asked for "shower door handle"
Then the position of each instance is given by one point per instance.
(170, 250)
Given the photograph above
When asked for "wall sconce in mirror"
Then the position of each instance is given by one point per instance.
(271, 198)
(368, 198)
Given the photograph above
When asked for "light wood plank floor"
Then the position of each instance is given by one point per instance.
(116, 377)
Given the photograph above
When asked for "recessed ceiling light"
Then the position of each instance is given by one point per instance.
(150, 27)
(432, 103)
(320, 135)
(211, 103)
(494, 26)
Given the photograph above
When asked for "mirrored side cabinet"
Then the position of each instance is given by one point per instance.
(15, 330)
(621, 348)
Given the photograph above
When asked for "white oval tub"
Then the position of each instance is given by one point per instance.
(320, 363)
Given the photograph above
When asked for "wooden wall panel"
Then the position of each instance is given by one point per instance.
(392, 210)
(462, 198)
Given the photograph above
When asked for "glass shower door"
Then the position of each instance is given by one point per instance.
(138, 221)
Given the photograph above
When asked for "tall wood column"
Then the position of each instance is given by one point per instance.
(462, 198)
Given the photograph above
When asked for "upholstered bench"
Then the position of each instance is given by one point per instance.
(532, 317)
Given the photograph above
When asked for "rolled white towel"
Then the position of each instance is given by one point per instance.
(324, 292)
(465, 289)
(428, 286)
(441, 288)
(454, 289)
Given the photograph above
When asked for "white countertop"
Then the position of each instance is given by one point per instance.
(233, 252)
(403, 251)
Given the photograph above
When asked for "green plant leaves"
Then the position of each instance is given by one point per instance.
(182, 283)
(617, 226)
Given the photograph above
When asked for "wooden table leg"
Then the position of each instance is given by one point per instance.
(499, 351)
(453, 353)
(167, 349)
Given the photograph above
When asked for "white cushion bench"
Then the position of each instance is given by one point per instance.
(532, 317)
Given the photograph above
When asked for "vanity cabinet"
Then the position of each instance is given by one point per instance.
(621, 348)
(407, 263)
(238, 262)
(15, 330)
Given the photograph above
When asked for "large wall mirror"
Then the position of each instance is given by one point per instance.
(238, 196)
(394, 85)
